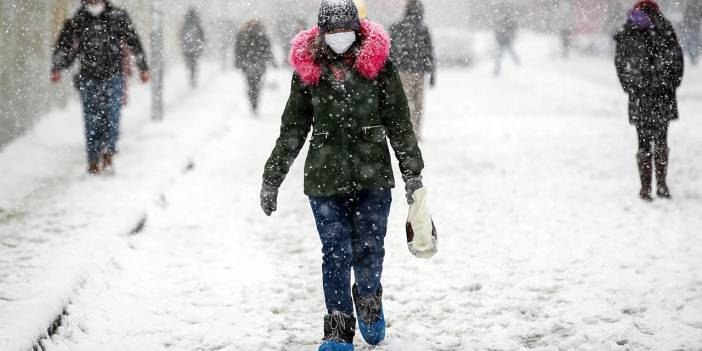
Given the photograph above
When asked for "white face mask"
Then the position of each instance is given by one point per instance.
(96, 9)
(340, 42)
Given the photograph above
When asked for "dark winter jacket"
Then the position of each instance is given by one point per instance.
(192, 36)
(351, 120)
(98, 43)
(252, 50)
(412, 46)
(650, 67)
(506, 30)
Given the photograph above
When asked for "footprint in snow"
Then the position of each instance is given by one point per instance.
(633, 311)
(470, 288)
(532, 340)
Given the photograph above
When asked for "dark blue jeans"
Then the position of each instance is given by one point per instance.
(352, 229)
(102, 106)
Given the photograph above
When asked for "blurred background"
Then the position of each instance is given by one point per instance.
(29, 29)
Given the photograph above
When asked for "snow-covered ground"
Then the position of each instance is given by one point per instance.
(543, 242)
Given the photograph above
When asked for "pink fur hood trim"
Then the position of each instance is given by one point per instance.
(370, 60)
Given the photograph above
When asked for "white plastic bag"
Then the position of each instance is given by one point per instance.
(422, 239)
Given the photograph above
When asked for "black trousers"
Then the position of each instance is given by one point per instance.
(255, 83)
(193, 63)
(254, 78)
(652, 134)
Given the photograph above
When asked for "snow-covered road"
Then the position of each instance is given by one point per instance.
(543, 242)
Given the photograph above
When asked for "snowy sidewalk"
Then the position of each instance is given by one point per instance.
(543, 242)
(57, 225)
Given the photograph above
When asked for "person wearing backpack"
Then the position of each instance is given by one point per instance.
(253, 53)
(650, 65)
(347, 92)
(413, 53)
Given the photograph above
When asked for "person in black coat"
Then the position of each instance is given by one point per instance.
(98, 37)
(252, 55)
(650, 65)
(413, 54)
(193, 41)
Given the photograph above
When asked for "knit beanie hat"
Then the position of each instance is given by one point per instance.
(414, 8)
(338, 14)
(647, 5)
(639, 19)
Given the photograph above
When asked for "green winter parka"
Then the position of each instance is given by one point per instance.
(351, 121)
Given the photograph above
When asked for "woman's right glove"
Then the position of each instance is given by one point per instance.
(412, 184)
(269, 199)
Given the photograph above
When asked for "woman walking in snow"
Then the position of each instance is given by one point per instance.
(192, 39)
(350, 95)
(252, 55)
(650, 66)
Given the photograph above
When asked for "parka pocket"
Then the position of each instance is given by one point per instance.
(318, 140)
(374, 134)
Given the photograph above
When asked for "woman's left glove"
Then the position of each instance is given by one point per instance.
(269, 199)
(412, 184)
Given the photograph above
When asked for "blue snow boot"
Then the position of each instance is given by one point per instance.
(339, 330)
(371, 318)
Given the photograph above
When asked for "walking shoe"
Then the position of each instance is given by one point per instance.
(339, 330)
(662, 173)
(645, 194)
(93, 169)
(107, 166)
(371, 318)
(645, 169)
(335, 346)
(664, 192)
